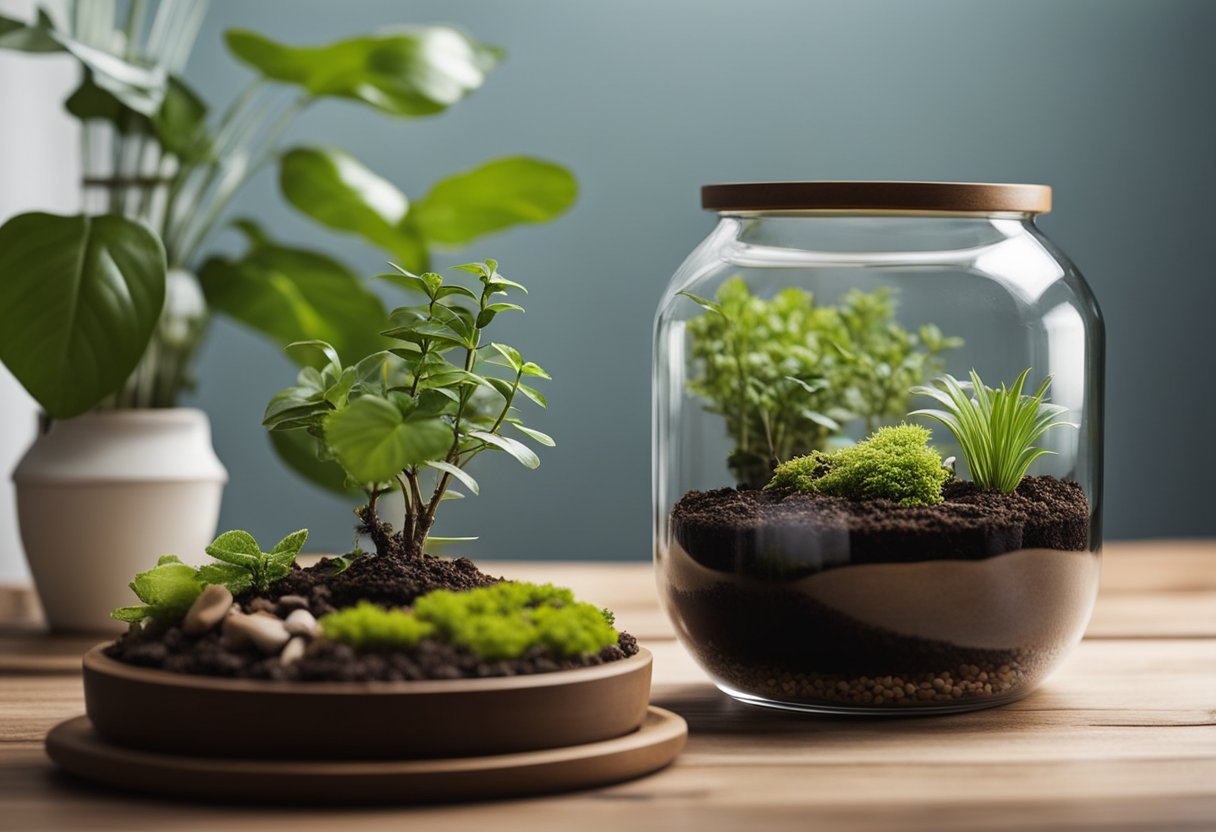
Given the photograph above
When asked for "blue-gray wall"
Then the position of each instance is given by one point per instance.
(1109, 102)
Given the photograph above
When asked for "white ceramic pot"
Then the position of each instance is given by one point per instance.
(102, 496)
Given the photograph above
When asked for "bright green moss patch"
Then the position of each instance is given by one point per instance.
(895, 463)
(502, 621)
(366, 626)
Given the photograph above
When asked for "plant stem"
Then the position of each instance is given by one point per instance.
(228, 188)
(453, 455)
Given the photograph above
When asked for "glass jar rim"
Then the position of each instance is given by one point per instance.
(885, 197)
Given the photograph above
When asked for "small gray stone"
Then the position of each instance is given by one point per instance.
(265, 632)
(292, 602)
(208, 609)
(301, 623)
(293, 652)
(261, 605)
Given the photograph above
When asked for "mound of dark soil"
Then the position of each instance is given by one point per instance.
(388, 580)
(751, 531)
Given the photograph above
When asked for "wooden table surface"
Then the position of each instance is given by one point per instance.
(1123, 737)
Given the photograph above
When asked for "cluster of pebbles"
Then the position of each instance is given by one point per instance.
(966, 682)
(280, 628)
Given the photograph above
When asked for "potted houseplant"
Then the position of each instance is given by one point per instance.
(407, 654)
(103, 313)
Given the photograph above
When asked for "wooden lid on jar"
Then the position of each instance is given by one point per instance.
(878, 197)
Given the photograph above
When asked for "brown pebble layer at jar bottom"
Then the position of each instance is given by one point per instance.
(961, 684)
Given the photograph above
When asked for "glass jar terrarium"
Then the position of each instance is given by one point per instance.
(878, 446)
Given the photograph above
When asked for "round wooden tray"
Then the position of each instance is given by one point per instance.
(193, 715)
(79, 749)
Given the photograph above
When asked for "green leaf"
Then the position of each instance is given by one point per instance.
(543, 438)
(90, 102)
(534, 395)
(409, 71)
(374, 441)
(531, 369)
(499, 285)
(324, 347)
(236, 578)
(493, 197)
(505, 388)
(514, 360)
(458, 473)
(79, 300)
(821, 420)
(17, 36)
(291, 294)
(181, 122)
(132, 615)
(704, 303)
(340, 391)
(236, 547)
(486, 316)
(407, 280)
(479, 269)
(336, 190)
(168, 589)
(285, 550)
(298, 451)
(453, 289)
(525, 455)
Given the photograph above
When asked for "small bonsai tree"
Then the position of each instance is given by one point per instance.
(411, 418)
(895, 463)
(787, 374)
(996, 429)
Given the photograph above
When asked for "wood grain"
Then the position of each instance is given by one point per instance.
(1123, 737)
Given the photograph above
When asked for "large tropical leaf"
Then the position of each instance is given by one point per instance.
(337, 190)
(410, 71)
(493, 197)
(292, 294)
(79, 299)
(298, 451)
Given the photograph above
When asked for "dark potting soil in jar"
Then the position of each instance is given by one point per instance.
(865, 603)
(388, 580)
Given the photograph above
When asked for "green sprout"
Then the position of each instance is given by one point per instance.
(787, 374)
(503, 621)
(996, 429)
(243, 563)
(167, 591)
(896, 463)
(169, 588)
(412, 417)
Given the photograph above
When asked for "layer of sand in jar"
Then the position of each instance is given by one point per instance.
(1025, 598)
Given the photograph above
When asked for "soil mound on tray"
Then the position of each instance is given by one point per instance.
(388, 580)
(733, 529)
